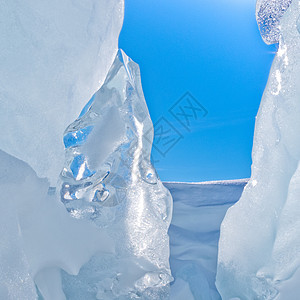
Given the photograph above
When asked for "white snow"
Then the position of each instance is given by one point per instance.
(198, 211)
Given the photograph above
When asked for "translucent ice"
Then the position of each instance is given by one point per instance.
(108, 180)
(53, 56)
(260, 245)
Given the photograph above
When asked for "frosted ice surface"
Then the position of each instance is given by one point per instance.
(268, 15)
(108, 179)
(259, 245)
(53, 56)
(38, 236)
(290, 289)
(15, 280)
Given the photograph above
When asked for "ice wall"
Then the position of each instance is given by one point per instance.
(53, 55)
(112, 241)
(268, 15)
(108, 180)
(260, 246)
(38, 236)
(15, 279)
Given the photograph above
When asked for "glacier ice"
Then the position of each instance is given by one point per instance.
(38, 236)
(259, 245)
(108, 237)
(53, 56)
(15, 279)
(108, 180)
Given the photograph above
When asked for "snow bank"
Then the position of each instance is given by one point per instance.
(199, 209)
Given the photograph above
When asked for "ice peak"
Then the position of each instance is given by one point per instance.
(108, 180)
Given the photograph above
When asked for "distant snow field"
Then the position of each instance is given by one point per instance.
(199, 209)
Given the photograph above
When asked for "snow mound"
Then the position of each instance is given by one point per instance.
(199, 209)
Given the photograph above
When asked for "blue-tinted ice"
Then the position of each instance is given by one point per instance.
(268, 15)
(108, 179)
(259, 245)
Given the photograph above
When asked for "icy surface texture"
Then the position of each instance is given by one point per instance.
(108, 179)
(15, 280)
(38, 236)
(268, 15)
(53, 56)
(260, 245)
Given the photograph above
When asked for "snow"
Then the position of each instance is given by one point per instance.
(198, 211)
(259, 245)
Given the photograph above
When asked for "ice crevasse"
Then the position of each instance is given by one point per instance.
(259, 248)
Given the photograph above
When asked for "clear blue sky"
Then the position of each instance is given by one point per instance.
(213, 50)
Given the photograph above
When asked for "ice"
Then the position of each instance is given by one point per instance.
(15, 280)
(53, 56)
(259, 245)
(38, 236)
(289, 289)
(108, 180)
(112, 240)
(268, 15)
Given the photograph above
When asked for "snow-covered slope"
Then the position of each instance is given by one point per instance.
(199, 209)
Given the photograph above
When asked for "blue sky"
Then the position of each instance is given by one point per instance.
(212, 50)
